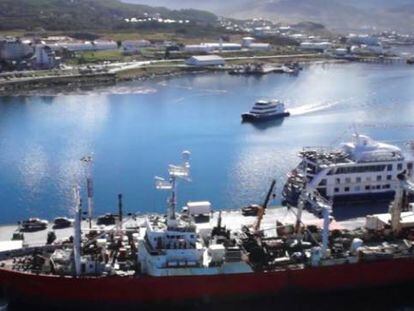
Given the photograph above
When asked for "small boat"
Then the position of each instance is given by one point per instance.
(292, 68)
(33, 224)
(62, 222)
(250, 69)
(264, 110)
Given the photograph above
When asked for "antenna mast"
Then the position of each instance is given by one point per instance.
(88, 161)
(175, 172)
(77, 230)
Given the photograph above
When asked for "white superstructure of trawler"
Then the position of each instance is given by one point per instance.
(175, 245)
(360, 169)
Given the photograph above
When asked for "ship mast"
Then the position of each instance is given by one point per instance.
(87, 161)
(175, 172)
(312, 196)
(77, 230)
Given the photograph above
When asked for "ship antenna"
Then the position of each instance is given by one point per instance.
(88, 161)
(77, 230)
(175, 172)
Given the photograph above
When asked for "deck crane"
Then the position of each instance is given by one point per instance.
(324, 207)
(400, 202)
(261, 208)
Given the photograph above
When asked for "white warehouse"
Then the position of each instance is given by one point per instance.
(316, 46)
(205, 60)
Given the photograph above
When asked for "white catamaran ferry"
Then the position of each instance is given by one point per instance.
(264, 110)
(363, 169)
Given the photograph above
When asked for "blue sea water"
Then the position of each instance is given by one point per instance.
(136, 129)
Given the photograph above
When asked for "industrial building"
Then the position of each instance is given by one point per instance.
(260, 46)
(45, 57)
(134, 46)
(212, 46)
(354, 39)
(80, 46)
(197, 48)
(205, 60)
(316, 46)
(12, 49)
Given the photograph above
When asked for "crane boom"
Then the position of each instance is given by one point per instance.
(261, 209)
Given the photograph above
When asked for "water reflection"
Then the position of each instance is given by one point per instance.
(134, 130)
(263, 125)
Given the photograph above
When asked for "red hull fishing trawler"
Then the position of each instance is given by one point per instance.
(145, 289)
(193, 256)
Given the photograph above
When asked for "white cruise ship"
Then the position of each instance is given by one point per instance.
(264, 110)
(363, 169)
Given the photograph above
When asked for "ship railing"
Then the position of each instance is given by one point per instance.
(24, 251)
(380, 158)
(324, 156)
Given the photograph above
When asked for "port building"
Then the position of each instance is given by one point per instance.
(205, 60)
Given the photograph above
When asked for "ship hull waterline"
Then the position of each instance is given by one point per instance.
(248, 117)
(146, 289)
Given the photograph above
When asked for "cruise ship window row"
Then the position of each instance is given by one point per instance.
(359, 188)
(361, 169)
(357, 180)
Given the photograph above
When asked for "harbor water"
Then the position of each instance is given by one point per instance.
(135, 129)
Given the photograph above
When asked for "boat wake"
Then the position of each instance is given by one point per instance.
(311, 108)
(121, 90)
(202, 93)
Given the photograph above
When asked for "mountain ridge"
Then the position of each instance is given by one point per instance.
(335, 14)
(85, 14)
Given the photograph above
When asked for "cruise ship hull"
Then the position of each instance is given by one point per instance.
(249, 117)
(146, 290)
(291, 196)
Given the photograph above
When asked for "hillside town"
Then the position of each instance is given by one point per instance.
(37, 60)
(52, 51)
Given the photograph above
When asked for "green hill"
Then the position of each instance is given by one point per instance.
(88, 15)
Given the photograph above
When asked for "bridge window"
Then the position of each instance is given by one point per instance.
(360, 169)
